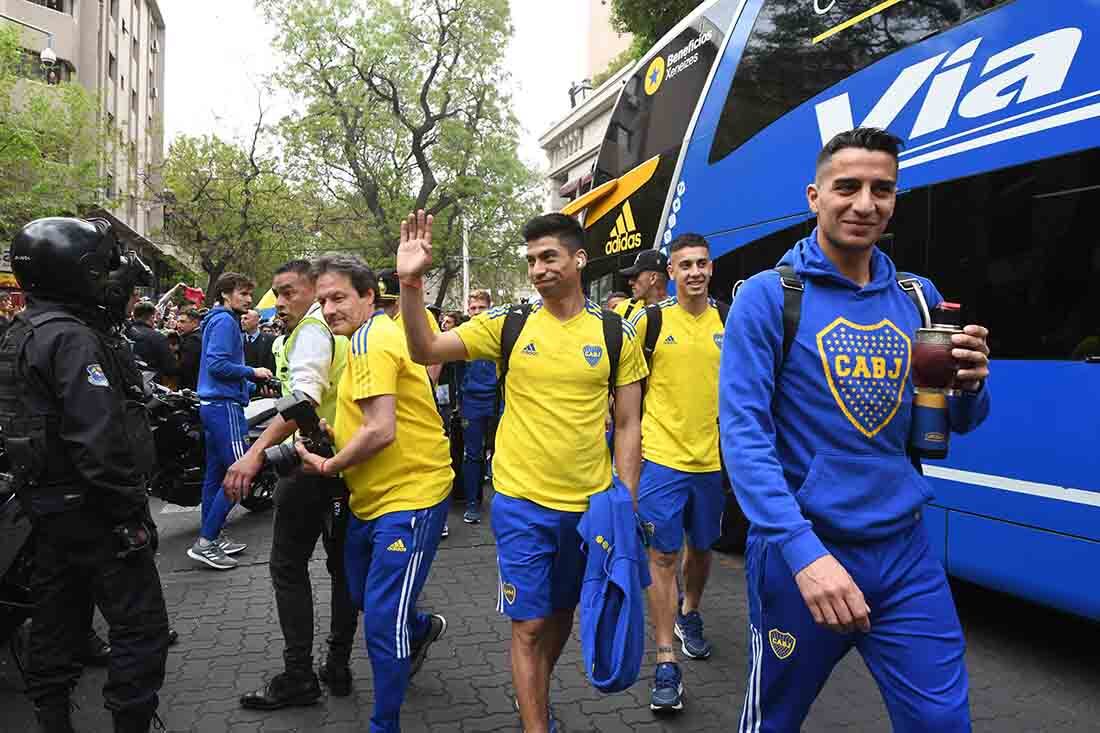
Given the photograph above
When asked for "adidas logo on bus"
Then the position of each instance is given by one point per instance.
(624, 236)
(1030, 70)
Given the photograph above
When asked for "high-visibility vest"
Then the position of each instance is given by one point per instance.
(340, 344)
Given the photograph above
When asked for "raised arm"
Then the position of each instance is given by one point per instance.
(414, 258)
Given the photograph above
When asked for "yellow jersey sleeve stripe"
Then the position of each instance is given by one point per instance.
(359, 340)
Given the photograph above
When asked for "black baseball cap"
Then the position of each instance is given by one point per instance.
(389, 287)
(651, 260)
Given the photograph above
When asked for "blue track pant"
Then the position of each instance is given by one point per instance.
(915, 649)
(387, 561)
(226, 431)
(475, 430)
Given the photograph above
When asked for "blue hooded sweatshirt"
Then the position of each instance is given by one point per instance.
(222, 371)
(613, 594)
(479, 389)
(815, 445)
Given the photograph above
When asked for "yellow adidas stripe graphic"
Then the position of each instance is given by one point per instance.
(397, 546)
(629, 214)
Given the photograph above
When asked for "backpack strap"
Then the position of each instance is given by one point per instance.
(911, 284)
(613, 340)
(792, 305)
(654, 319)
(723, 309)
(630, 306)
(509, 335)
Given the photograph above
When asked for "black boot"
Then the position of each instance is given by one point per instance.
(95, 652)
(284, 690)
(136, 721)
(54, 718)
(335, 672)
(336, 676)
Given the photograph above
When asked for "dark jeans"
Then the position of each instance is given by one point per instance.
(74, 562)
(475, 433)
(303, 512)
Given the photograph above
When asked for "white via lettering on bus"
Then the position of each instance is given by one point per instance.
(822, 10)
(1047, 60)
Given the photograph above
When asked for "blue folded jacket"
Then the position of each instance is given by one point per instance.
(613, 595)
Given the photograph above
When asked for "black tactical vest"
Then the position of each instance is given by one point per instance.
(38, 458)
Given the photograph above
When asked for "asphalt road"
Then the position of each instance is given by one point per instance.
(1031, 669)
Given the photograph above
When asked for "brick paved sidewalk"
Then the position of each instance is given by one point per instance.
(230, 639)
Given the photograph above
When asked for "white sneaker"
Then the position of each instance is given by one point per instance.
(211, 554)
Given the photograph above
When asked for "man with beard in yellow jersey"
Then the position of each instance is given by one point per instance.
(680, 491)
(397, 466)
(550, 452)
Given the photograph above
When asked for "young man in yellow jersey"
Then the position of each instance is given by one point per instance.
(680, 491)
(396, 463)
(550, 451)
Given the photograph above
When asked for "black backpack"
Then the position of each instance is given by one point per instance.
(792, 301)
(793, 290)
(517, 319)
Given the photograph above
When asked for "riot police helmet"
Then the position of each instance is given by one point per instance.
(66, 258)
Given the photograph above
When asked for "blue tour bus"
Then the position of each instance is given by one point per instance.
(998, 102)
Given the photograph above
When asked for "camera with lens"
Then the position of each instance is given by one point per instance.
(299, 408)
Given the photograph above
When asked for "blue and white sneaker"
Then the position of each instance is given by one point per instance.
(689, 630)
(668, 689)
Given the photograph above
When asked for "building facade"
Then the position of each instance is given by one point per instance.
(116, 50)
(572, 144)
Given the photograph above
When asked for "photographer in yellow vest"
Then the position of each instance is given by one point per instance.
(311, 362)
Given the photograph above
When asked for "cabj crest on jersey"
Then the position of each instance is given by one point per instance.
(867, 368)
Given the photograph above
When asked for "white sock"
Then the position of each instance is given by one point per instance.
(203, 542)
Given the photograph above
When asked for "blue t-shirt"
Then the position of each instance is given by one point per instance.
(479, 389)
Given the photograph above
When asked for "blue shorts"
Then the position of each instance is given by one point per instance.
(540, 558)
(671, 501)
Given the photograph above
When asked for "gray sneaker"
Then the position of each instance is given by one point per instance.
(229, 546)
(212, 554)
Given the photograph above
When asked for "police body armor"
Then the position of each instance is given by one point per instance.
(44, 477)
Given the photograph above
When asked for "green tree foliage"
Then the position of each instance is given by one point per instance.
(233, 207)
(649, 20)
(405, 107)
(51, 146)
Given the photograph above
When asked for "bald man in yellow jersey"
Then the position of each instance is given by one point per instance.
(396, 463)
(681, 491)
(550, 452)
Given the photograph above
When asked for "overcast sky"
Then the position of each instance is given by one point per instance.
(218, 53)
